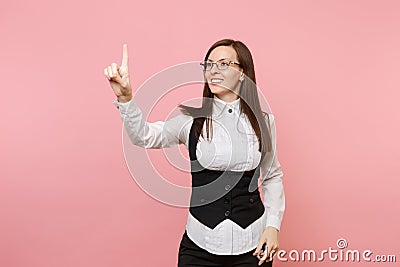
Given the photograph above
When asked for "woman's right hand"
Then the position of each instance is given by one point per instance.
(119, 78)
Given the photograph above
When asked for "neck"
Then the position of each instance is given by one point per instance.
(227, 97)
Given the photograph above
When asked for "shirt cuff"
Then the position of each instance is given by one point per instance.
(273, 221)
(122, 106)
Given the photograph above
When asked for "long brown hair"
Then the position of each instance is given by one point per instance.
(247, 94)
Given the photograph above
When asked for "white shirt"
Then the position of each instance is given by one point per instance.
(234, 146)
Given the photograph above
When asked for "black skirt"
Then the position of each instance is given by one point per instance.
(192, 255)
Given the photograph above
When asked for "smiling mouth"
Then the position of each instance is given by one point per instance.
(216, 81)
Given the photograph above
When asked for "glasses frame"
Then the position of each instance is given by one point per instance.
(218, 63)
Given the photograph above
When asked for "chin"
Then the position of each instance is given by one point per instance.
(218, 90)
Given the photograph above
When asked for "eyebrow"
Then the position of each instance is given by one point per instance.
(218, 59)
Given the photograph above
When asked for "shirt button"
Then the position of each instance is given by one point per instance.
(227, 213)
(227, 187)
(251, 200)
(230, 110)
(226, 200)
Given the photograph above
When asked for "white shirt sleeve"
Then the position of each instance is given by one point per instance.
(159, 134)
(272, 185)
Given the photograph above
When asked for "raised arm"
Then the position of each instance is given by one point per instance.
(157, 134)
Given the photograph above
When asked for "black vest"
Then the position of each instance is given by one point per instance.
(220, 195)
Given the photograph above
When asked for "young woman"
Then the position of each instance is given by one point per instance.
(229, 139)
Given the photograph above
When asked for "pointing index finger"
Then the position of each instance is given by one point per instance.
(125, 56)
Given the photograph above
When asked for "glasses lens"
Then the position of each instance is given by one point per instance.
(206, 65)
(223, 65)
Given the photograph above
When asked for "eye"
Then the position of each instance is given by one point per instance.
(224, 63)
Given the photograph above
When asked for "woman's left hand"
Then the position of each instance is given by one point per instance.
(271, 238)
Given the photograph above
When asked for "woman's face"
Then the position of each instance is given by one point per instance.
(223, 82)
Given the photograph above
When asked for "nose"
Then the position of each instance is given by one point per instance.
(214, 68)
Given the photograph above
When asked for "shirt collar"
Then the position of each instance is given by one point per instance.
(220, 106)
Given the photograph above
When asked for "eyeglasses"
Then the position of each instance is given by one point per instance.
(221, 65)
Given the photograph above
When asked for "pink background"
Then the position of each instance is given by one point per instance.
(330, 70)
